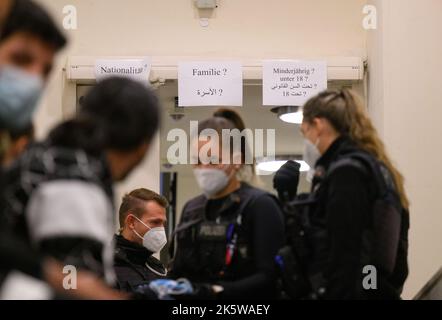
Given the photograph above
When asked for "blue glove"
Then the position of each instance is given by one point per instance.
(167, 289)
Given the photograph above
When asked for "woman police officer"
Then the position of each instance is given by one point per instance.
(357, 212)
(228, 236)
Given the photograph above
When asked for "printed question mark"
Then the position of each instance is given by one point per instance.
(220, 92)
(225, 71)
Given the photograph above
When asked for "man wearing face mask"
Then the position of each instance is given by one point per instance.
(59, 195)
(228, 236)
(29, 40)
(142, 218)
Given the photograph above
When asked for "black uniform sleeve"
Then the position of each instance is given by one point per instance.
(347, 211)
(16, 255)
(267, 227)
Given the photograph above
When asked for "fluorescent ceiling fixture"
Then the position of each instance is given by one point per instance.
(274, 165)
(292, 117)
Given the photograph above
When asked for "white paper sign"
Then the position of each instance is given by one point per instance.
(291, 82)
(210, 83)
(136, 69)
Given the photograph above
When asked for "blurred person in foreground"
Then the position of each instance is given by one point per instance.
(59, 194)
(29, 41)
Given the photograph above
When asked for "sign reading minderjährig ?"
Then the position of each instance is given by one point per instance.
(292, 82)
(136, 69)
(215, 83)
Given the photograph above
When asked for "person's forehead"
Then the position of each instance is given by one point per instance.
(25, 42)
(154, 210)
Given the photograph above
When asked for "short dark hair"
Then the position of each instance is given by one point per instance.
(27, 16)
(128, 109)
(117, 113)
(135, 200)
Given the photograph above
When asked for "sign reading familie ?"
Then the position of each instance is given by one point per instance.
(291, 82)
(136, 69)
(217, 83)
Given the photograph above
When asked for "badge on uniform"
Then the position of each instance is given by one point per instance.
(210, 230)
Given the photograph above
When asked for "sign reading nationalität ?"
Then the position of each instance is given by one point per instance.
(136, 69)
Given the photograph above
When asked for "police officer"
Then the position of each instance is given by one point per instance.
(142, 219)
(355, 221)
(228, 236)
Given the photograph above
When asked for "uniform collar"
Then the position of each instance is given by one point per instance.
(229, 202)
(133, 251)
(337, 148)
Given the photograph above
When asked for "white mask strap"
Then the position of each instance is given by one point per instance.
(141, 221)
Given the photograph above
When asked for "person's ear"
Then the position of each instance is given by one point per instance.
(318, 125)
(316, 122)
(130, 221)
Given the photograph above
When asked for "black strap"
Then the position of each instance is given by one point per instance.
(200, 217)
(362, 161)
(186, 225)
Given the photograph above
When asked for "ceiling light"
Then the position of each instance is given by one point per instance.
(272, 165)
(289, 114)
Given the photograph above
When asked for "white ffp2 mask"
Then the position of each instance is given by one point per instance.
(211, 180)
(154, 239)
(310, 155)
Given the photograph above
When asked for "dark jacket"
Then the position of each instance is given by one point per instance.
(135, 265)
(59, 200)
(344, 207)
(202, 242)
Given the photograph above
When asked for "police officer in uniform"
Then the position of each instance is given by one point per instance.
(142, 220)
(349, 236)
(228, 236)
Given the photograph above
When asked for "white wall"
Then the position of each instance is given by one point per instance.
(405, 64)
(238, 28)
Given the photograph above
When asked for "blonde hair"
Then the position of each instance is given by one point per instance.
(346, 113)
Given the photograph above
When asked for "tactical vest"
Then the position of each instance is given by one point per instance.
(219, 250)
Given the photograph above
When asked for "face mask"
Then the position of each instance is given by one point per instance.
(153, 240)
(211, 180)
(19, 94)
(310, 156)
